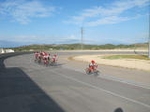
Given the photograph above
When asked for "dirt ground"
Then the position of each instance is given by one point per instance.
(127, 63)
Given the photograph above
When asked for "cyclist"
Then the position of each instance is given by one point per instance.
(46, 57)
(92, 66)
(54, 58)
(36, 55)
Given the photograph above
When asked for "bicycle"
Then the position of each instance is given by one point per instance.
(94, 72)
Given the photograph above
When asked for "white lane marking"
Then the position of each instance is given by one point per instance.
(109, 92)
(130, 82)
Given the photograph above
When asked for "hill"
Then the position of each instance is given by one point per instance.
(78, 47)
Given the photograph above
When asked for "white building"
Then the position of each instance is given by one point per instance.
(2, 50)
(9, 50)
(6, 50)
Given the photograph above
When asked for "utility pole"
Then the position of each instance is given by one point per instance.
(81, 38)
(149, 39)
(149, 42)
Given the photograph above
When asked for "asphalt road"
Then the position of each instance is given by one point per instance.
(26, 86)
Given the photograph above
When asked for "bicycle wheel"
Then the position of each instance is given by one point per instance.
(87, 71)
(96, 73)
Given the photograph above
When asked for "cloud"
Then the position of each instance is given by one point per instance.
(113, 13)
(31, 39)
(23, 10)
(108, 20)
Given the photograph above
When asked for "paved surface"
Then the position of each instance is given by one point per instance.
(26, 86)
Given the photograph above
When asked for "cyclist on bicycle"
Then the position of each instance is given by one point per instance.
(92, 66)
(36, 55)
(54, 58)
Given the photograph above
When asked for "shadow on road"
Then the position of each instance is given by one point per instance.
(118, 110)
(18, 93)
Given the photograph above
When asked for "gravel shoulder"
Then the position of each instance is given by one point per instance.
(126, 63)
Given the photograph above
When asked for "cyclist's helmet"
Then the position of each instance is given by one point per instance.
(92, 61)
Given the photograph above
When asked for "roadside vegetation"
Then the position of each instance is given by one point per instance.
(78, 47)
(141, 57)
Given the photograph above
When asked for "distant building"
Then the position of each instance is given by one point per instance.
(9, 50)
(6, 50)
(2, 50)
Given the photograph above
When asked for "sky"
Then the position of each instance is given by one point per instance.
(24, 22)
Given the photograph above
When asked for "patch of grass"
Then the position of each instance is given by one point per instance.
(70, 58)
(142, 57)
